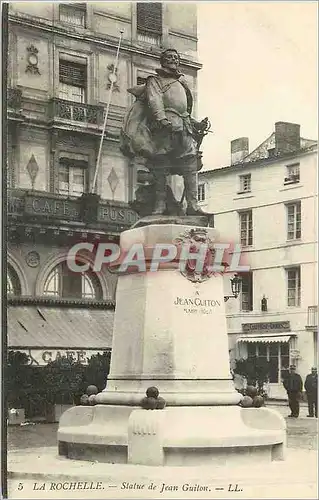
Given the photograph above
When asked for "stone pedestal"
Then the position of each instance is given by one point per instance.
(171, 333)
(168, 332)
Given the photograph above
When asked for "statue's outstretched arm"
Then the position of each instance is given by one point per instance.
(154, 99)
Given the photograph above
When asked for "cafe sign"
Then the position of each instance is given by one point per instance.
(62, 209)
(274, 326)
(118, 215)
(41, 357)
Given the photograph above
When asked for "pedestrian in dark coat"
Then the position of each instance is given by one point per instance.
(311, 387)
(293, 386)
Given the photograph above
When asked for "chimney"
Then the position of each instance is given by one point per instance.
(287, 137)
(239, 149)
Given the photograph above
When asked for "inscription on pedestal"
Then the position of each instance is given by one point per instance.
(197, 305)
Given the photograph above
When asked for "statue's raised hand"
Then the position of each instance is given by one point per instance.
(203, 124)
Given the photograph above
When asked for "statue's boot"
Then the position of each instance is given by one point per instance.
(160, 193)
(190, 183)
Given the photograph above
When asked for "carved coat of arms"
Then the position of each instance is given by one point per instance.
(197, 240)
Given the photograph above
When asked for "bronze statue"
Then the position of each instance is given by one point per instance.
(159, 132)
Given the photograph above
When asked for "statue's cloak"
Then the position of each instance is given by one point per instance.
(137, 134)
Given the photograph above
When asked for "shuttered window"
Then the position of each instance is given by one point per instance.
(72, 73)
(247, 292)
(72, 81)
(73, 13)
(149, 17)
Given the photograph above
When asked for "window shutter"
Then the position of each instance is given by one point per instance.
(149, 17)
(77, 6)
(76, 163)
(250, 287)
(72, 73)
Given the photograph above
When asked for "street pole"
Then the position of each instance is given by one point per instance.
(112, 78)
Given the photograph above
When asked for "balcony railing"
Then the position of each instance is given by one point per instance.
(150, 38)
(312, 320)
(14, 98)
(78, 112)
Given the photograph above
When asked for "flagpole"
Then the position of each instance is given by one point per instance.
(106, 112)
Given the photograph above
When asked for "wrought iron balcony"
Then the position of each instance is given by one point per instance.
(14, 98)
(77, 112)
(312, 320)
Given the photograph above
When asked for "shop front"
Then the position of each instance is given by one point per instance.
(273, 343)
(46, 334)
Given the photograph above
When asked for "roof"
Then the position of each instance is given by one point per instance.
(34, 326)
(261, 153)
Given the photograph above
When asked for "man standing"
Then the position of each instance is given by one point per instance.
(311, 387)
(159, 128)
(293, 386)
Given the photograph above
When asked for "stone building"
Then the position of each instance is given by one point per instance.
(60, 68)
(266, 201)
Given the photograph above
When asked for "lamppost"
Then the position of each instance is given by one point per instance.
(235, 283)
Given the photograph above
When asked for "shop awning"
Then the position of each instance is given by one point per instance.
(264, 338)
(59, 327)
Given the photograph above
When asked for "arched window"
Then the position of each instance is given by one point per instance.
(62, 282)
(13, 282)
(52, 284)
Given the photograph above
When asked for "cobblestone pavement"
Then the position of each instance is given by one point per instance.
(302, 432)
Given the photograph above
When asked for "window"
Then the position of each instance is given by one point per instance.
(201, 192)
(73, 13)
(62, 282)
(10, 290)
(294, 221)
(246, 228)
(293, 286)
(246, 302)
(245, 183)
(149, 22)
(13, 282)
(87, 288)
(275, 353)
(52, 284)
(72, 177)
(293, 173)
(72, 81)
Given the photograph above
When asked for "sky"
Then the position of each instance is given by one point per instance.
(259, 67)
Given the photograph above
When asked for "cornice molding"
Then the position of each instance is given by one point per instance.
(183, 35)
(44, 25)
(109, 15)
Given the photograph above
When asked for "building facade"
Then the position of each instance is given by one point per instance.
(60, 69)
(266, 200)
